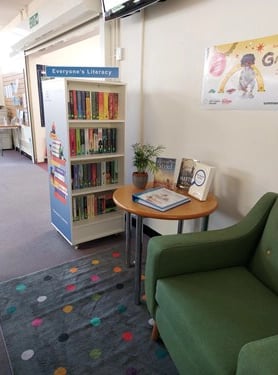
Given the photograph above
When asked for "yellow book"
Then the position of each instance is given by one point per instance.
(105, 105)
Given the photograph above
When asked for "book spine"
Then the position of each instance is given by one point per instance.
(70, 107)
(100, 140)
(95, 105)
(74, 100)
(87, 141)
(88, 105)
(82, 141)
(116, 106)
(105, 105)
(113, 140)
(72, 142)
(91, 141)
(78, 142)
(79, 104)
(83, 105)
(101, 105)
(104, 140)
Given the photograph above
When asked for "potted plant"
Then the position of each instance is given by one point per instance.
(143, 161)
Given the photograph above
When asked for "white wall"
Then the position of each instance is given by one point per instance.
(131, 41)
(85, 53)
(241, 144)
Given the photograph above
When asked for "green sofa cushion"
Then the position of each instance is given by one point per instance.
(217, 313)
(259, 357)
(265, 261)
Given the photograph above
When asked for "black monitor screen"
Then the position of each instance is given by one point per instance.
(120, 8)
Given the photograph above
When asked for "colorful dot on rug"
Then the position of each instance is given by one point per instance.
(41, 299)
(37, 322)
(21, 287)
(95, 353)
(60, 371)
(121, 308)
(70, 287)
(11, 309)
(161, 353)
(67, 309)
(63, 337)
(73, 270)
(95, 321)
(127, 336)
(95, 262)
(95, 278)
(96, 297)
(27, 354)
(48, 278)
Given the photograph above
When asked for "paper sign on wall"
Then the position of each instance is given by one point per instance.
(242, 75)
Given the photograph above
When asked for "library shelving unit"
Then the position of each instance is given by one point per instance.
(85, 130)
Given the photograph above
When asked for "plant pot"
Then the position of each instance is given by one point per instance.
(140, 179)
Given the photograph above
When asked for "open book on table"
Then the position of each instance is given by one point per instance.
(160, 198)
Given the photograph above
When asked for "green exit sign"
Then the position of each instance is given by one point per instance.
(34, 20)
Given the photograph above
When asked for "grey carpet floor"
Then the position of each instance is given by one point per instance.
(28, 242)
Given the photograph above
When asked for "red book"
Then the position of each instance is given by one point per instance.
(72, 142)
(116, 106)
(111, 105)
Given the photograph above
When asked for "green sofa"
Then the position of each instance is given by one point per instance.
(214, 295)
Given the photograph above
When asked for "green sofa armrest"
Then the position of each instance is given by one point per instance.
(177, 254)
(259, 357)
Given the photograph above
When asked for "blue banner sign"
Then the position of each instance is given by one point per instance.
(82, 71)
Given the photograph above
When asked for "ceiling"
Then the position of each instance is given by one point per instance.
(10, 9)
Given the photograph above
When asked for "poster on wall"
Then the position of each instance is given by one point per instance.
(242, 75)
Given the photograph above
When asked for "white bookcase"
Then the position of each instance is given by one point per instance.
(85, 130)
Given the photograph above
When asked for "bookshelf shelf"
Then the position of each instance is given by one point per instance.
(85, 156)
(81, 123)
(93, 190)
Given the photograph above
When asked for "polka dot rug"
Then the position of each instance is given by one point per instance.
(80, 318)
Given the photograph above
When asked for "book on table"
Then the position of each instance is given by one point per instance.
(160, 198)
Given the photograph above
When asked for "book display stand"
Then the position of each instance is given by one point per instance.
(85, 128)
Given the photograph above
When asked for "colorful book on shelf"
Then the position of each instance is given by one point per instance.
(160, 198)
(165, 174)
(202, 180)
(186, 173)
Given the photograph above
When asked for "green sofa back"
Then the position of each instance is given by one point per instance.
(264, 263)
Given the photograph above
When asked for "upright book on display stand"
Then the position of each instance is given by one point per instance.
(201, 182)
(165, 174)
(186, 173)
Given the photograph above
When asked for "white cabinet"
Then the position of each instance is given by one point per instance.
(6, 142)
(85, 130)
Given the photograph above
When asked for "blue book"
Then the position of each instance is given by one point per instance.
(160, 198)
